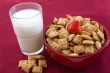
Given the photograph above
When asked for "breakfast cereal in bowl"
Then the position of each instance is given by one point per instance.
(75, 35)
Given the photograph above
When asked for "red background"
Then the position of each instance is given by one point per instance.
(10, 53)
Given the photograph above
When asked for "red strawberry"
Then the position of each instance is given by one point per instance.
(74, 27)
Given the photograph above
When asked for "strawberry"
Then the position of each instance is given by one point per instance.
(74, 27)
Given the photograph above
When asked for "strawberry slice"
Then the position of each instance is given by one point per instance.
(74, 27)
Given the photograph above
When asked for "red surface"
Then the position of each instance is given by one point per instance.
(10, 53)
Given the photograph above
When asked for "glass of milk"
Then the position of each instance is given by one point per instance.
(27, 22)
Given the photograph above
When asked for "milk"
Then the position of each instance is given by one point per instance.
(28, 27)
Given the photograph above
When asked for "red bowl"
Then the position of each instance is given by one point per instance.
(77, 61)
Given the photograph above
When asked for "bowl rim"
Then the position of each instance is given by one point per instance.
(107, 40)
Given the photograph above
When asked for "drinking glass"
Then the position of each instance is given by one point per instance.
(27, 22)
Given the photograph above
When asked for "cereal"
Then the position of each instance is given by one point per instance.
(26, 68)
(79, 18)
(78, 39)
(42, 63)
(95, 36)
(49, 40)
(57, 27)
(69, 17)
(55, 20)
(62, 21)
(71, 37)
(98, 45)
(95, 24)
(71, 48)
(32, 62)
(63, 43)
(88, 42)
(35, 57)
(71, 43)
(55, 40)
(35, 63)
(100, 34)
(101, 29)
(53, 34)
(88, 37)
(91, 28)
(78, 49)
(50, 30)
(103, 41)
(85, 33)
(86, 20)
(63, 33)
(73, 54)
(22, 62)
(55, 46)
(84, 27)
(70, 20)
(37, 69)
(89, 49)
(65, 51)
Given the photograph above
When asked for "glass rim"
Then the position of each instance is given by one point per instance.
(11, 15)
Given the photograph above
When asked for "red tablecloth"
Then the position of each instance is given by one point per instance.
(10, 53)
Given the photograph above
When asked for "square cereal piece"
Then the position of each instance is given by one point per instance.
(55, 46)
(22, 62)
(50, 30)
(89, 49)
(35, 57)
(91, 28)
(71, 43)
(63, 33)
(31, 57)
(79, 49)
(57, 27)
(26, 67)
(71, 37)
(63, 43)
(71, 48)
(62, 21)
(55, 40)
(37, 69)
(49, 40)
(85, 21)
(32, 62)
(85, 26)
(78, 39)
(42, 63)
(53, 34)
